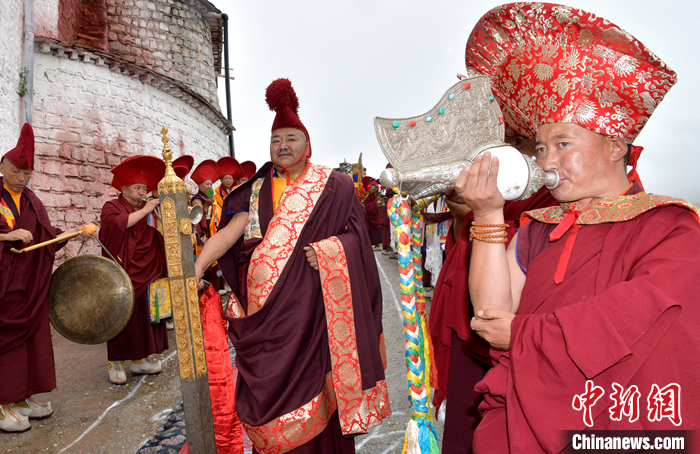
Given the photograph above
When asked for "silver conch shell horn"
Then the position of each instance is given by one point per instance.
(427, 152)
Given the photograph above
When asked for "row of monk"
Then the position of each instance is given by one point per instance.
(543, 306)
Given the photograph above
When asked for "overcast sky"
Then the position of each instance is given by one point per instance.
(353, 60)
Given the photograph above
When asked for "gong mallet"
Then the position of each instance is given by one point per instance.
(58, 239)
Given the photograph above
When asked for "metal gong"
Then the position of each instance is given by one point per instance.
(91, 299)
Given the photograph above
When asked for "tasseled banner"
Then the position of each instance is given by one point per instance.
(421, 436)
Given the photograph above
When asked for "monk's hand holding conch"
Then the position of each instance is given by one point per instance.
(457, 207)
(19, 234)
(89, 229)
(476, 186)
(494, 326)
(151, 205)
(311, 257)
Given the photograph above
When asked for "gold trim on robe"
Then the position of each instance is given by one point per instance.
(342, 390)
(604, 210)
(295, 428)
(273, 253)
(358, 409)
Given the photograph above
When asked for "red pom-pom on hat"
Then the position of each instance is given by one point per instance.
(22, 156)
(282, 99)
(280, 94)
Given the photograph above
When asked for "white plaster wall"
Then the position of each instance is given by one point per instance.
(11, 24)
(88, 119)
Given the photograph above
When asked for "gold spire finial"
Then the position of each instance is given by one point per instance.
(167, 152)
(171, 182)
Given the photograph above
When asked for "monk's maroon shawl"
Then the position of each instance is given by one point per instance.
(282, 349)
(451, 309)
(25, 278)
(374, 212)
(627, 312)
(140, 250)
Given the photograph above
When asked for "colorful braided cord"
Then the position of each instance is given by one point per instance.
(421, 436)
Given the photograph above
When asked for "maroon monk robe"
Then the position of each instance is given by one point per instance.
(26, 353)
(375, 221)
(625, 313)
(282, 349)
(458, 353)
(141, 252)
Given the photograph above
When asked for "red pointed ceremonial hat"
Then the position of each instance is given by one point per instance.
(115, 184)
(552, 63)
(147, 170)
(206, 170)
(282, 99)
(183, 165)
(367, 182)
(249, 169)
(229, 166)
(22, 156)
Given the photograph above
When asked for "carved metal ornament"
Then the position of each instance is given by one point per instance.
(428, 151)
(171, 182)
(194, 379)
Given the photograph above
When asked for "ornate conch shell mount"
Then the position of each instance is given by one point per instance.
(428, 151)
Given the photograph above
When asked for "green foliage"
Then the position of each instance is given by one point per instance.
(22, 82)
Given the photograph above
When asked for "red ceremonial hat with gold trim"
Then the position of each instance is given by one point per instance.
(249, 169)
(183, 165)
(22, 156)
(206, 170)
(551, 63)
(229, 166)
(147, 170)
(282, 99)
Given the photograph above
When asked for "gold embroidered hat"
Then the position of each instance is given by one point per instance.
(552, 63)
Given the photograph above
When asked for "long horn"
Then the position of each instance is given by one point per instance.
(58, 239)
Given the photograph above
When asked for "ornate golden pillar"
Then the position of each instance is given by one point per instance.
(194, 380)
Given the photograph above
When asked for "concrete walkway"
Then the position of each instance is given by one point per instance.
(93, 416)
